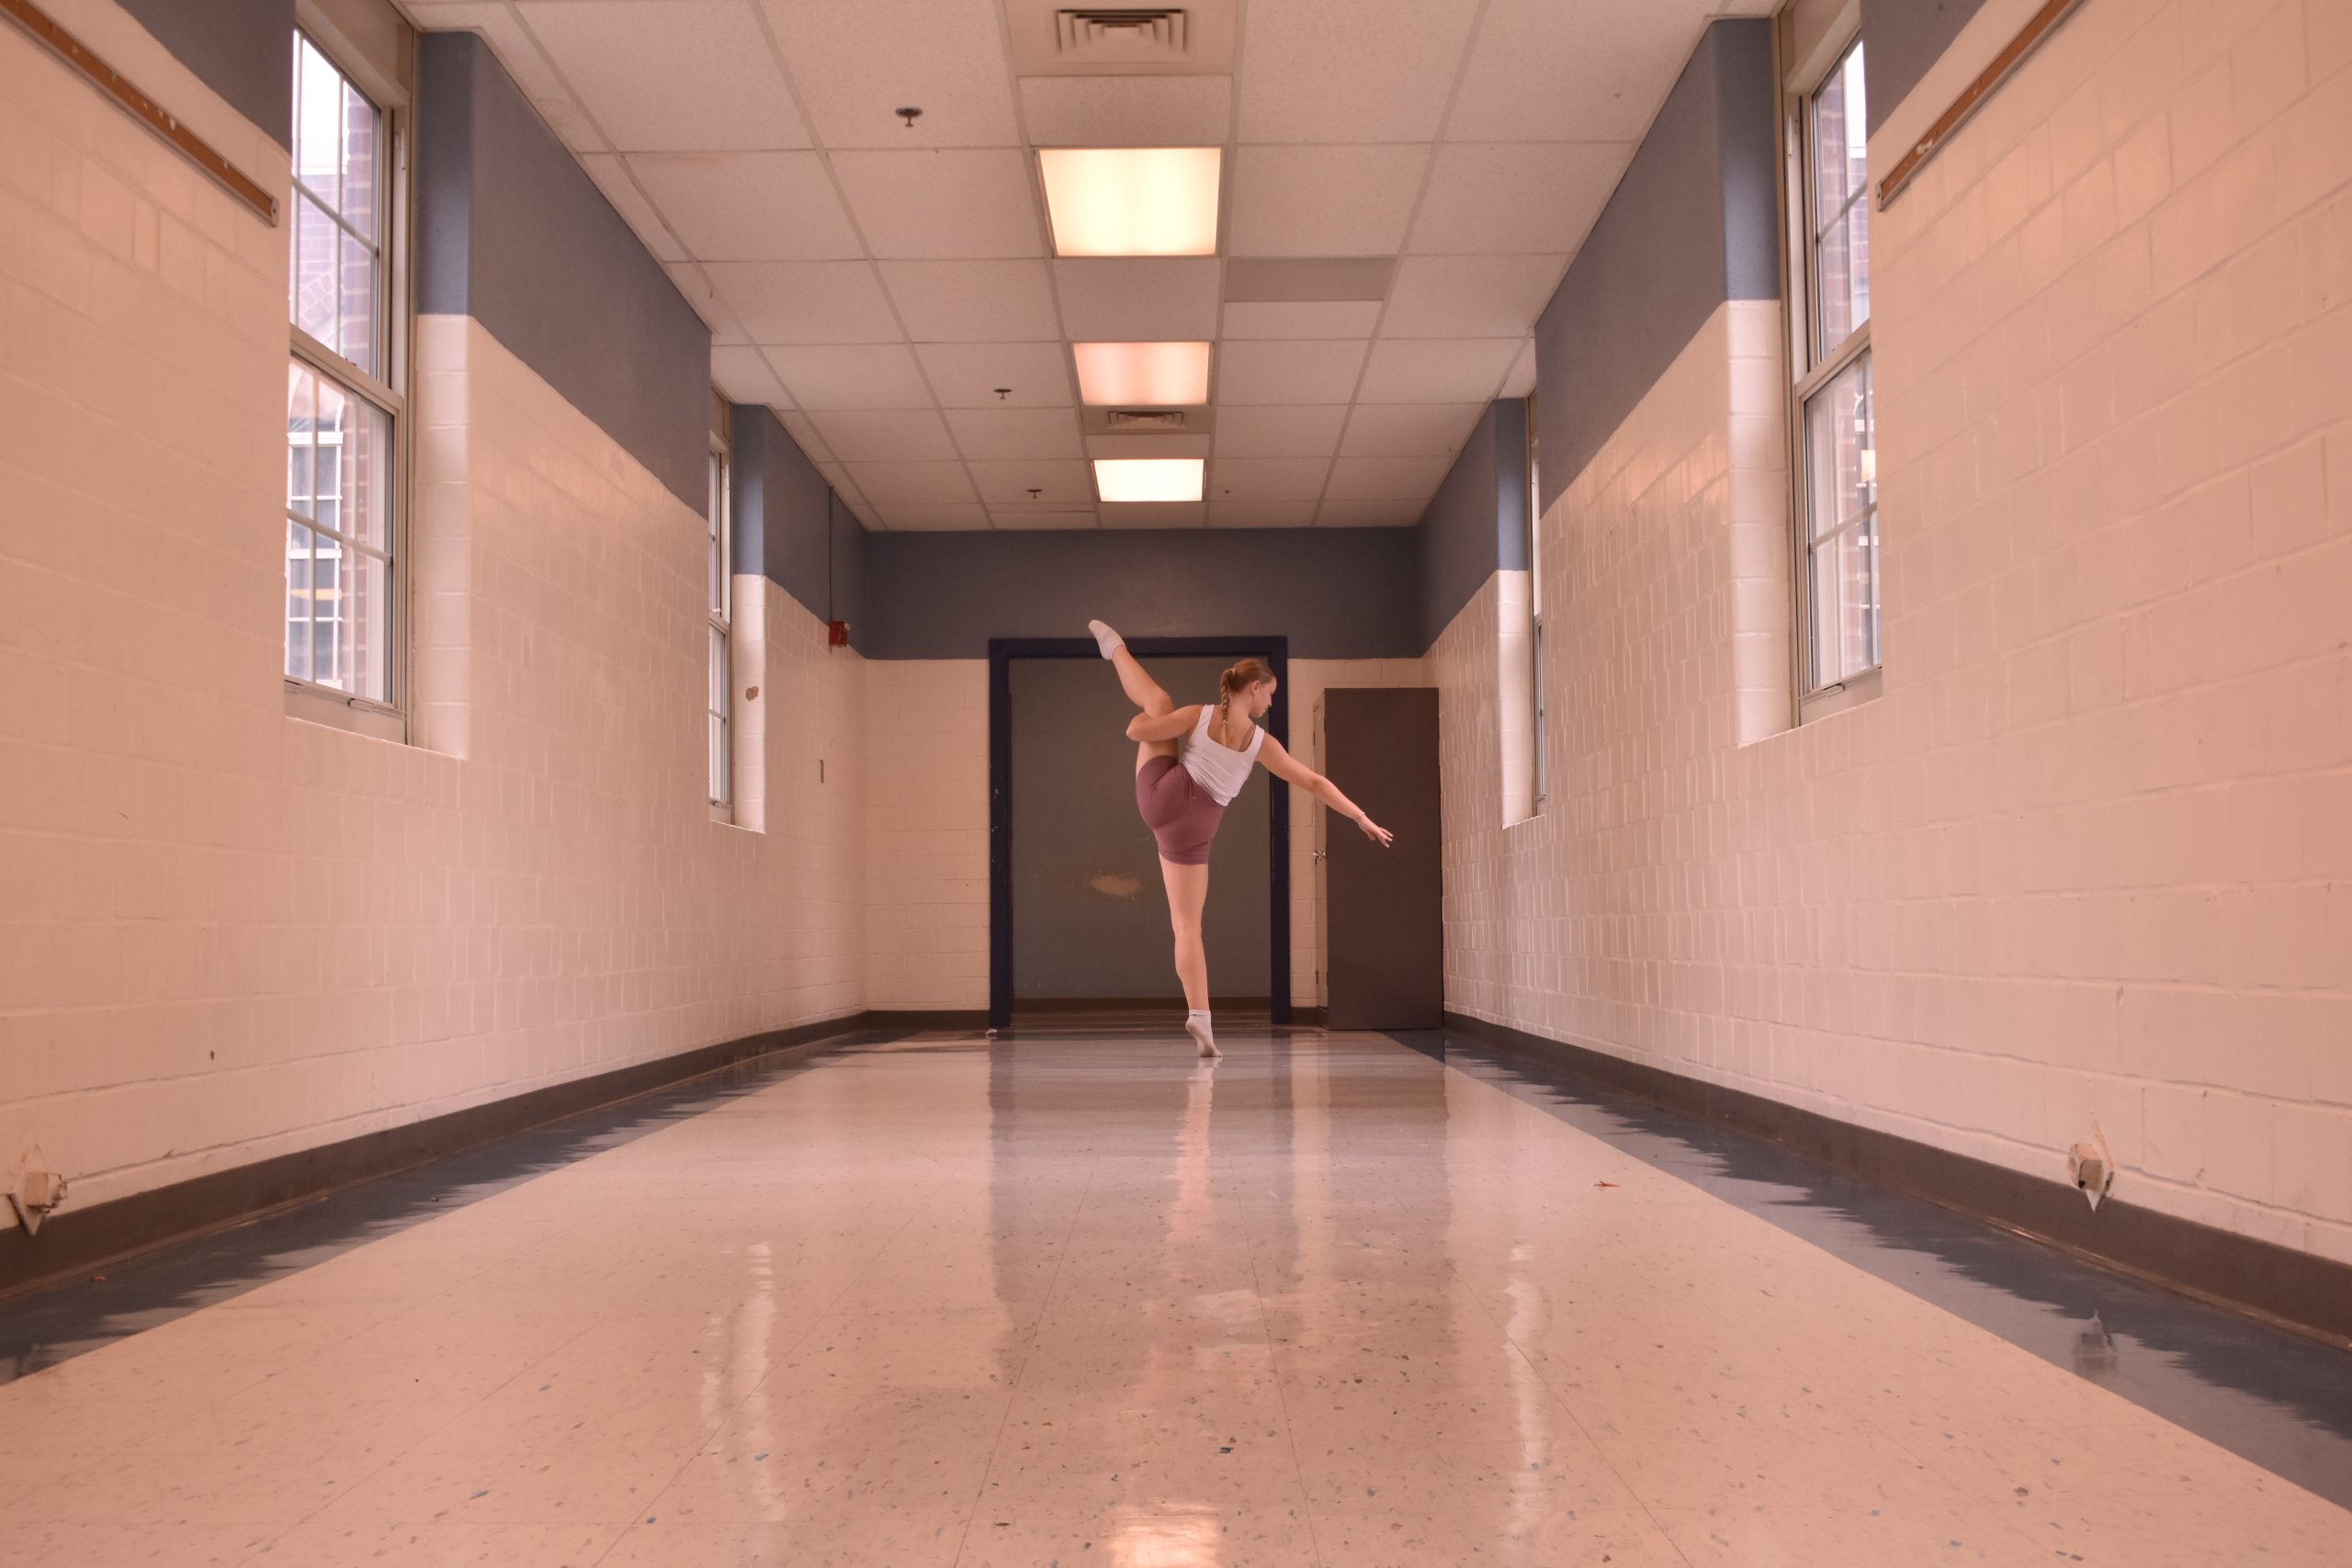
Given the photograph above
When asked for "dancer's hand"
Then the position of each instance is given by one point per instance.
(1377, 833)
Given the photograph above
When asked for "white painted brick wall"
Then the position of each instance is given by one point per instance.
(2088, 862)
(228, 935)
(926, 736)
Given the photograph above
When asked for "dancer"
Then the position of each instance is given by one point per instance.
(1190, 764)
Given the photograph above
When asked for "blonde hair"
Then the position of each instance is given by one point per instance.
(1241, 677)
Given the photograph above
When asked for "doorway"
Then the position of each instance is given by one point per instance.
(1078, 913)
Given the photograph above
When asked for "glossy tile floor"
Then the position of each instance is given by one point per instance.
(1077, 1299)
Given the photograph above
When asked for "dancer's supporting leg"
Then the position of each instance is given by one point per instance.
(1188, 892)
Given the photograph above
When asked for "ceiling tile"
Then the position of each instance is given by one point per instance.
(850, 376)
(856, 64)
(1017, 433)
(1266, 479)
(1386, 479)
(1265, 372)
(888, 483)
(1350, 70)
(1129, 445)
(805, 301)
(693, 285)
(844, 486)
(953, 202)
(932, 518)
(525, 62)
(1288, 431)
(670, 75)
(1572, 70)
(1323, 201)
(1431, 370)
(1062, 484)
(611, 172)
(973, 301)
(1302, 319)
(1154, 515)
(967, 374)
(745, 376)
(1261, 513)
(1127, 111)
(805, 435)
(1014, 518)
(1391, 513)
(1410, 430)
(748, 206)
(1494, 198)
(1138, 298)
(1459, 296)
(1520, 382)
(899, 437)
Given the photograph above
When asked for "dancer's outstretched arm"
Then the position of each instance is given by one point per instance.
(1290, 770)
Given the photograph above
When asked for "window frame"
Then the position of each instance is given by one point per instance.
(1816, 367)
(395, 196)
(719, 574)
(1536, 779)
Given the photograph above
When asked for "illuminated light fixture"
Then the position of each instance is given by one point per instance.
(1132, 201)
(1142, 375)
(1149, 479)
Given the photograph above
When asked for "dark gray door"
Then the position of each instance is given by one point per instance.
(1387, 916)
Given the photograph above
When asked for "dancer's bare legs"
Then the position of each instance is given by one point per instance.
(1188, 886)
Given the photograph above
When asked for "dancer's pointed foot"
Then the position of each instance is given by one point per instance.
(1196, 1024)
(1109, 641)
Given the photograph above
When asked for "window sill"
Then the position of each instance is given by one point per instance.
(323, 704)
(723, 813)
(1850, 693)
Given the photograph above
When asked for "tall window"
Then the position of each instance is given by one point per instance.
(1837, 471)
(721, 629)
(1535, 593)
(342, 410)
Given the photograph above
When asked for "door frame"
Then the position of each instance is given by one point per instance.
(1002, 652)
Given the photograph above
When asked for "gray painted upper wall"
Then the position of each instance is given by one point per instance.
(512, 232)
(1476, 523)
(788, 525)
(1693, 223)
(243, 49)
(1334, 592)
(1900, 39)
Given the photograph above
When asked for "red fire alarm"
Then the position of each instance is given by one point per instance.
(837, 634)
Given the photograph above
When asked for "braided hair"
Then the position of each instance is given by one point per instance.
(1240, 678)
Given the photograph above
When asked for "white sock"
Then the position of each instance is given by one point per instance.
(1109, 641)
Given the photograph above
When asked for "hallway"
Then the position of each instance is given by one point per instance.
(1071, 1299)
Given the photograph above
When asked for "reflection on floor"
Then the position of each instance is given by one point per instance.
(1075, 1299)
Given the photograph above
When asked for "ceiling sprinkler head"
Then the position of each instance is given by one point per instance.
(1002, 393)
(909, 115)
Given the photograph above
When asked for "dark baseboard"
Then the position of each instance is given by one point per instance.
(909, 1020)
(1171, 1005)
(1310, 1018)
(77, 1240)
(2296, 1290)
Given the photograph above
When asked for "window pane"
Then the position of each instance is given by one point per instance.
(1845, 607)
(1841, 468)
(355, 314)
(318, 123)
(315, 270)
(297, 602)
(366, 588)
(301, 432)
(362, 436)
(335, 407)
(360, 121)
(1839, 157)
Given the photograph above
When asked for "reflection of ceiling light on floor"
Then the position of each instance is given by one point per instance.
(1132, 201)
(1149, 479)
(1143, 375)
(1172, 1536)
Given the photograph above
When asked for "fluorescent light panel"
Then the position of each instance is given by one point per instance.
(1142, 375)
(1132, 201)
(1149, 479)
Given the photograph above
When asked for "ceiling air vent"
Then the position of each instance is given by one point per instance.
(1155, 419)
(1122, 35)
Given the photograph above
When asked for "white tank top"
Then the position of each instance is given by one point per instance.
(1216, 768)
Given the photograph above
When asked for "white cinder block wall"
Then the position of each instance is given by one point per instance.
(2086, 864)
(226, 933)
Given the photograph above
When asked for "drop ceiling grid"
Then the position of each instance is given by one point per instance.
(874, 300)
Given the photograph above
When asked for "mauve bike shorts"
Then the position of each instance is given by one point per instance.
(1180, 813)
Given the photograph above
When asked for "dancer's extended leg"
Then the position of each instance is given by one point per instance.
(1188, 893)
(1142, 690)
